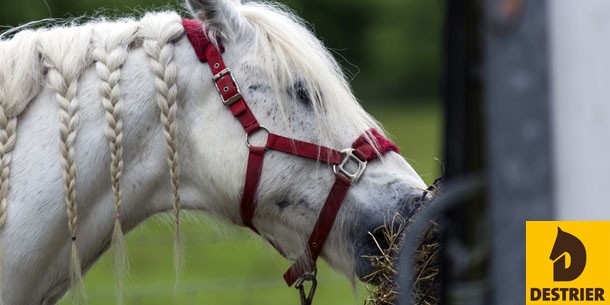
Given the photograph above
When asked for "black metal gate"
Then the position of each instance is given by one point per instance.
(497, 149)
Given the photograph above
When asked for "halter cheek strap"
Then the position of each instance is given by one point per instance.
(361, 152)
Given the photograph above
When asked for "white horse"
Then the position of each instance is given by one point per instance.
(141, 130)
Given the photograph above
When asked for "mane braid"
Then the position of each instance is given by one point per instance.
(109, 57)
(7, 143)
(160, 49)
(65, 87)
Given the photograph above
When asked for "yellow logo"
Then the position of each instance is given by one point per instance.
(567, 262)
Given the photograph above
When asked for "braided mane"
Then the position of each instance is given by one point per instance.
(56, 58)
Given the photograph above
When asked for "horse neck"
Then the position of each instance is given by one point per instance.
(36, 203)
(173, 151)
(203, 182)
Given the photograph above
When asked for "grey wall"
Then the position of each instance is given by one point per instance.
(580, 57)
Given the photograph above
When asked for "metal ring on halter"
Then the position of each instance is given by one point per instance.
(261, 127)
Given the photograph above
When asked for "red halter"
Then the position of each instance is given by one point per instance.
(360, 153)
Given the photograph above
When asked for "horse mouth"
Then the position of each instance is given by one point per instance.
(381, 267)
(378, 252)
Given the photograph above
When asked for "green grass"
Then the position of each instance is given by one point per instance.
(228, 265)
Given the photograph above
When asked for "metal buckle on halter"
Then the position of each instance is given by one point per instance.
(349, 155)
(232, 99)
(306, 299)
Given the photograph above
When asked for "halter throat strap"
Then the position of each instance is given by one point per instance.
(361, 152)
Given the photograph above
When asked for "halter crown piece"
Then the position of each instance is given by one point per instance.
(360, 153)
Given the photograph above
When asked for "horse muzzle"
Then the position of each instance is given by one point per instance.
(381, 234)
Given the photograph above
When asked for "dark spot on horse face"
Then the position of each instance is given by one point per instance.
(283, 204)
(253, 87)
(286, 203)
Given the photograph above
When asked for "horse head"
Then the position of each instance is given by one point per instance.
(296, 89)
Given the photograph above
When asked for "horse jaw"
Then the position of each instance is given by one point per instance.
(388, 186)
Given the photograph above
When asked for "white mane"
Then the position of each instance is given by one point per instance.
(69, 46)
(22, 68)
(60, 55)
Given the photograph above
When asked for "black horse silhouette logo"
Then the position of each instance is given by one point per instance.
(567, 244)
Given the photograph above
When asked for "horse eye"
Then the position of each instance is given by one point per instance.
(301, 94)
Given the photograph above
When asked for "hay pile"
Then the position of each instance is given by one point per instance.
(426, 287)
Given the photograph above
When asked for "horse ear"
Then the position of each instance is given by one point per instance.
(220, 16)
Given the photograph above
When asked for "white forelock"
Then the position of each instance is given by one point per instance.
(292, 53)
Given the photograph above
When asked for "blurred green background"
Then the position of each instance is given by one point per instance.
(390, 49)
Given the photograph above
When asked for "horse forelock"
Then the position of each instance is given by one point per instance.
(293, 55)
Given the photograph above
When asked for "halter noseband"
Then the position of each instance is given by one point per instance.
(360, 153)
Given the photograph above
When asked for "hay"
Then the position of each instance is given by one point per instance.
(426, 287)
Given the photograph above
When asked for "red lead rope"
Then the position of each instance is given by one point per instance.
(360, 153)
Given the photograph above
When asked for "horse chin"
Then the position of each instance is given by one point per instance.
(369, 243)
(365, 249)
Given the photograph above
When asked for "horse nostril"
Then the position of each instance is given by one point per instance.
(409, 206)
